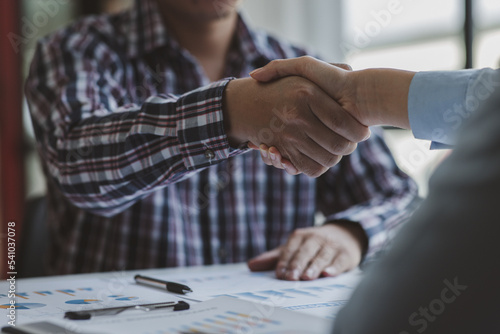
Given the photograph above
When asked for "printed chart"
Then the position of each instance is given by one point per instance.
(38, 301)
(322, 297)
(218, 315)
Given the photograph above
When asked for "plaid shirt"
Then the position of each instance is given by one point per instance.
(140, 173)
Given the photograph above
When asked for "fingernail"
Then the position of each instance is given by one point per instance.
(331, 271)
(368, 136)
(264, 153)
(310, 273)
(273, 156)
(294, 275)
(289, 169)
(256, 71)
(282, 272)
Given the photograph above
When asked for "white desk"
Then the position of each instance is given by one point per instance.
(46, 297)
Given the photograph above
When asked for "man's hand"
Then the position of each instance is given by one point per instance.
(293, 114)
(335, 79)
(372, 96)
(312, 252)
(272, 157)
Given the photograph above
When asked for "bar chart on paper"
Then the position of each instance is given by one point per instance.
(306, 300)
(218, 315)
(322, 297)
(228, 322)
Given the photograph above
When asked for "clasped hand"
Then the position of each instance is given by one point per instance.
(309, 127)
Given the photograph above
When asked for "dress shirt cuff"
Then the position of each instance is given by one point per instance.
(203, 140)
(437, 104)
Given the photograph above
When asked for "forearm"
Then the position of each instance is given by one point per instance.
(381, 96)
(106, 163)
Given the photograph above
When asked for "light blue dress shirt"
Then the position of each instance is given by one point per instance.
(440, 101)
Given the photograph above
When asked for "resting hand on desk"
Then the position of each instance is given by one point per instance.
(312, 252)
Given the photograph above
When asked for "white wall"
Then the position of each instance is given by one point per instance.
(315, 24)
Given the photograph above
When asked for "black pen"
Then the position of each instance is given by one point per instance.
(156, 283)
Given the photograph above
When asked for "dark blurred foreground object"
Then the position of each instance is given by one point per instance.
(33, 243)
(442, 273)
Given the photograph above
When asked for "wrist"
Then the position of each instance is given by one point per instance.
(365, 97)
(231, 108)
(356, 230)
(382, 96)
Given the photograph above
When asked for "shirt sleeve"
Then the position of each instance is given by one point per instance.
(104, 151)
(368, 188)
(446, 257)
(440, 101)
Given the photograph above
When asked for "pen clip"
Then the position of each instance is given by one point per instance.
(85, 315)
(177, 306)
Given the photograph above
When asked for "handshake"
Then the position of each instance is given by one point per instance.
(305, 114)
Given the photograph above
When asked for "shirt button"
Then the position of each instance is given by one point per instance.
(209, 154)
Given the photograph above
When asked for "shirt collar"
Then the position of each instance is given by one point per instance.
(146, 32)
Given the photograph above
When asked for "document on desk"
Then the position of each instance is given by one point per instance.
(39, 299)
(322, 297)
(218, 315)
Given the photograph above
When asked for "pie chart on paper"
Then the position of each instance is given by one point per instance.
(127, 298)
(23, 306)
(83, 301)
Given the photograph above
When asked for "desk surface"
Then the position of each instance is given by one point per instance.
(45, 297)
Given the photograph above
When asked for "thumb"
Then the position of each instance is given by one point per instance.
(306, 66)
(278, 69)
(329, 77)
(265, 261)
(343, 66)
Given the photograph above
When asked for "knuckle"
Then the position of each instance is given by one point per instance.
(296, 233)
(365, 133)
(274, 62)
(341, 263)
(285, 256)
(331, 252)
(336, 121)
(307, 58)
(341, 146)
(360, 133)
(281, 263)
(351, 148)
(339, 121)
(304, 91)
(298, 263)
(305, 63)
(325, 256)
(332, 160)
(344, 66)
(316, 172)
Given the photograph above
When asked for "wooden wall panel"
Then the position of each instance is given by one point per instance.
(11, 131)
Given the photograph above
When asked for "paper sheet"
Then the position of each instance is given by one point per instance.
(39, 299)
(219, 315)
(322, 297)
